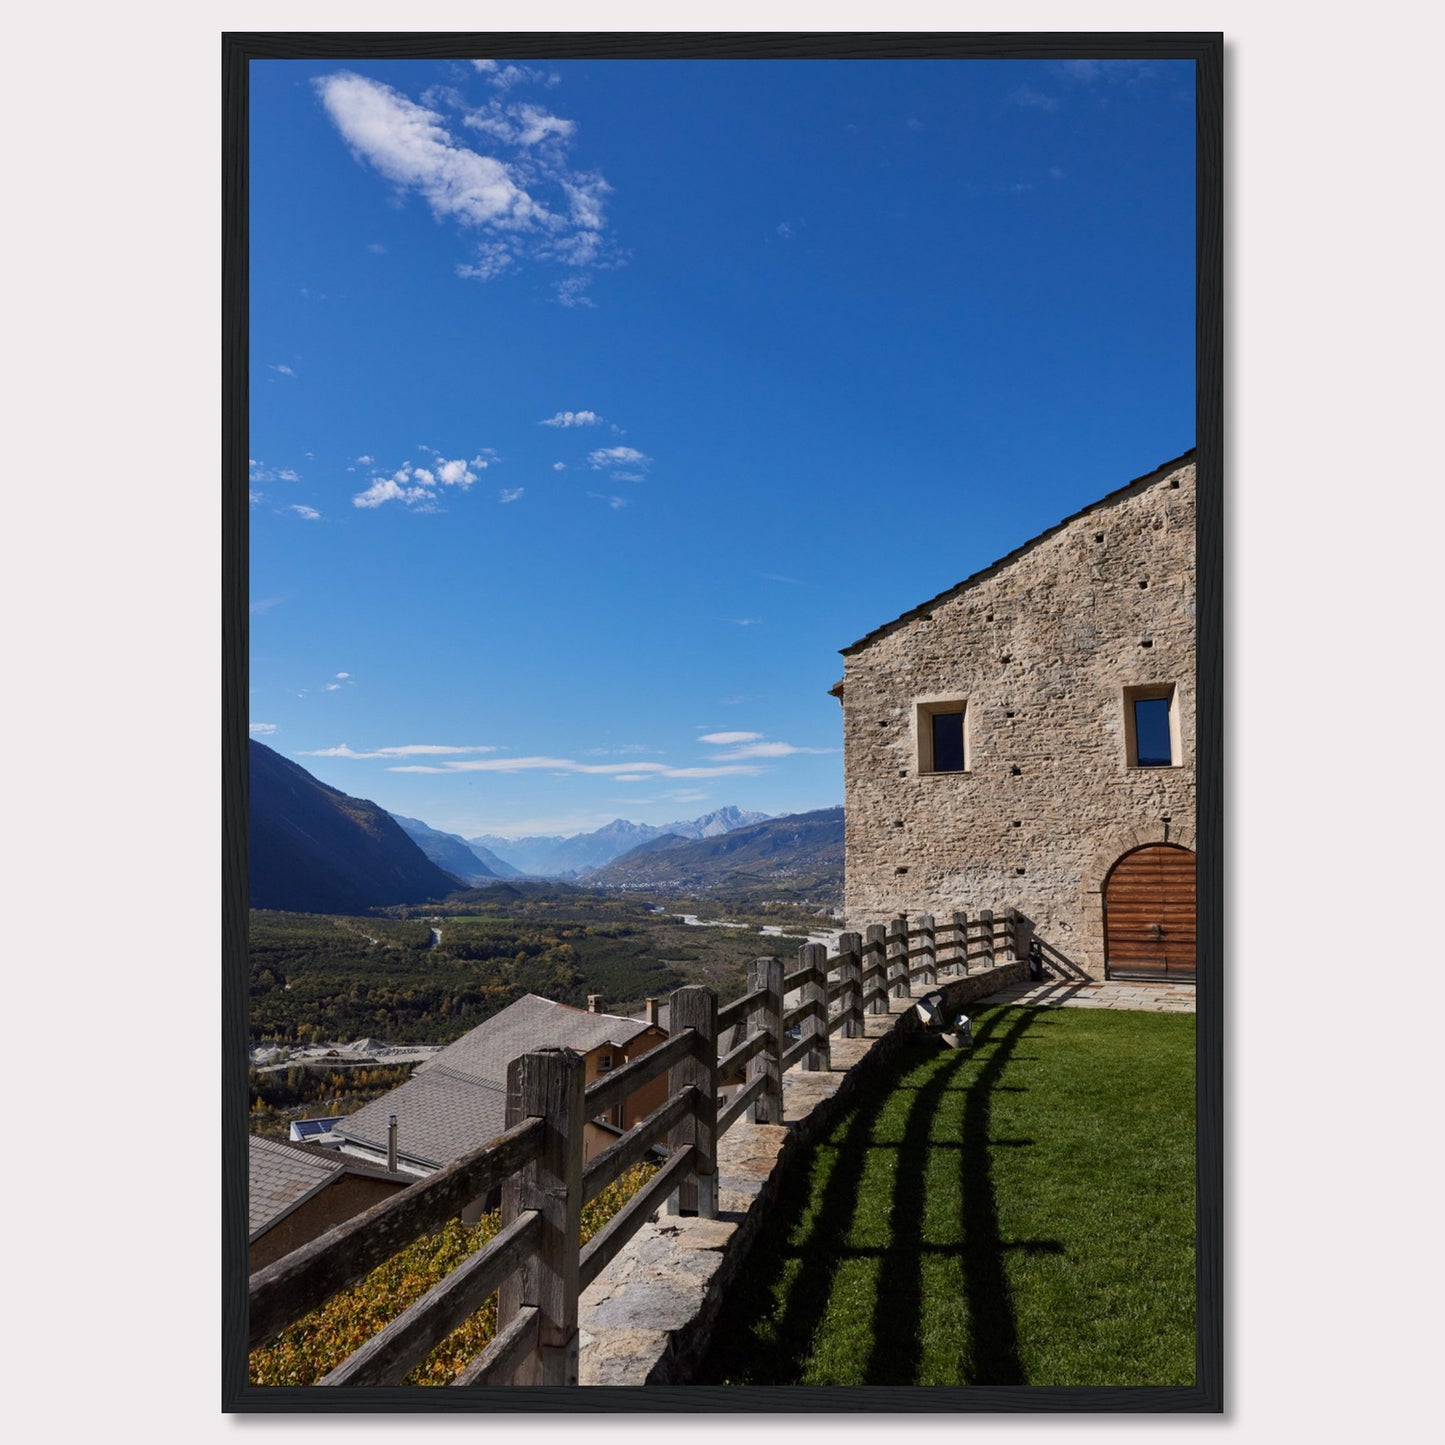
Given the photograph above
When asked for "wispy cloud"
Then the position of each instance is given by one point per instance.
(283, 369)
(741, 746)
(406, 750)
(262, 730)
(572, 418)
(768, 750)
(573, 292)
(419, 487)
(1106, 72)
(625, 464)
(1031, 98)
(308, 514)
(510, 494)
(518, 190)
(618, 771)
(616, 503)
(559, 466)
(260, 472)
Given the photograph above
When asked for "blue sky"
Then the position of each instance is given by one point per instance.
(596, 404)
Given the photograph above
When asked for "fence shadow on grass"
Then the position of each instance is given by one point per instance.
(761, 1339)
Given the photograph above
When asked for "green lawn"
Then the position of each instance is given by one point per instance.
(1021, 1214)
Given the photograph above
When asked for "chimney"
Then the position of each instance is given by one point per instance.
(652, 1010)
(391, 1142)
(594, 1003)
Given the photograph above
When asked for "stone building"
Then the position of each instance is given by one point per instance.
(1026, 739)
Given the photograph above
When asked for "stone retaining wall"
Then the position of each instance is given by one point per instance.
(647, 1318)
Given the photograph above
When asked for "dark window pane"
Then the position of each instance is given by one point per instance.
(948, 742)
(1151, 732)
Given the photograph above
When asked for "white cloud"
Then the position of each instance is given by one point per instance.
(365, 461)
(743, 621)
(572, 418)
(785, 230)
(605, 458)
(309, 514)
(493, 258)
(510, 494)
(510, 75)
(407, 750)
(262, 729)
(485, 65)
(572, 291)
(343, 675)
(768, 750)
(524, 124)
(517, 188)
(333, 687)
(409, 145)
(559, 466)
(616, 503)
(417, 486)
(618, 772)
(283, 369)
(376, 248)
(260, 472)
(724, 739)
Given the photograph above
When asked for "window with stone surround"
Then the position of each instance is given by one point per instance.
(1151, 726)
(941, 729)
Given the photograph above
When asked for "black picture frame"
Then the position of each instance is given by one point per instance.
(1206, 50)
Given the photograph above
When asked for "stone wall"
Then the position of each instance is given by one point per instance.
(1042, 646)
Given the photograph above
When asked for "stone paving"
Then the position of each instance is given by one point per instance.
(650, 1309)
(1069, 993)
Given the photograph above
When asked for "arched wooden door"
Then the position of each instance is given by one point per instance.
(1149, 914)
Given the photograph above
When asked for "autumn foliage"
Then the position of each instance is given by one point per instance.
(317, 1343)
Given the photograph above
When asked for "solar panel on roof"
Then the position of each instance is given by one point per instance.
(310, 1128)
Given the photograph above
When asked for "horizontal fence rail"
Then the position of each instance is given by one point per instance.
(535, 1264)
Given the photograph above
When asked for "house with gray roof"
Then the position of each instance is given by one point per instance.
(457, 1101)
(298, 1192)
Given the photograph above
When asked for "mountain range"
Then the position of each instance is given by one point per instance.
(798, 858)
(315, 849)
(544, 856)
(469, 861)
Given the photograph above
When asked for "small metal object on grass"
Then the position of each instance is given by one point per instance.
(956, 1033)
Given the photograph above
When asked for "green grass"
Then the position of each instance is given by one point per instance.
(1021, 1214)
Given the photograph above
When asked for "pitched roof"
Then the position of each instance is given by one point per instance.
(458, 1101)
(283, 1175)
(1108, 499)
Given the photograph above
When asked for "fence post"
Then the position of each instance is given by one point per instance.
(814, 957)
(928, 950)
(767, 1014)
(1011, 935)
(548, 1085)
(875, 970)
(898, 984)
(850, 969)
(985, 921)
(960, 942)
(696, 1008)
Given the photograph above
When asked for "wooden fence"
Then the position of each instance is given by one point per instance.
(534, 1264)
